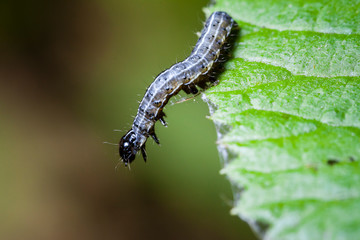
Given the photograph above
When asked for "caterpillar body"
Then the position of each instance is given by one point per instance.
(201, 67)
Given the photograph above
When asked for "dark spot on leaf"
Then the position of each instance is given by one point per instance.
(332, 162)
(351, 159)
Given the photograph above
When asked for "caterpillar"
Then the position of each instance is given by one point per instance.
(200, 68)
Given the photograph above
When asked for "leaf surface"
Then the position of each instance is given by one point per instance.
(287, 112)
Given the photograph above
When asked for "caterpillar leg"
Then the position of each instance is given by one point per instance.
(161, 119)
(187, 89)
(203, 85)
(190, 89)
(193, 89)
(153, 135)
(143, 152)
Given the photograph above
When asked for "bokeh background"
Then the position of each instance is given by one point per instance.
(71, 72)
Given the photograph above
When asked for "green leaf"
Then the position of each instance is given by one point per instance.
(287, 112)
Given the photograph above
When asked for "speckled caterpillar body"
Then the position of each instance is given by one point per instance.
(196, 70)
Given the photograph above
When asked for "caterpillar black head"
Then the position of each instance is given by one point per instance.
(128, 147)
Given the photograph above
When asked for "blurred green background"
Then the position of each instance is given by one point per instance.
(73, 71)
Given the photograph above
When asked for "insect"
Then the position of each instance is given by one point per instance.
(200, 68)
